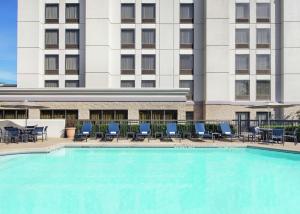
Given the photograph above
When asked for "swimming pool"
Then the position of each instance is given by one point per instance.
(146, 181)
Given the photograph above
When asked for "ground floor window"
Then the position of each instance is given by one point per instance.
(158, 115)
(59, 114)
(189, 115)
(108, 115)
(244, 119)
(13, 114)
(262, 116)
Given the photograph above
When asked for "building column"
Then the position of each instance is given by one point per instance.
(83, 114)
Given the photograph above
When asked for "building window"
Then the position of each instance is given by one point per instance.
(71, 116)
(244, 119)
(148, 84)
(242, 38)
(242, 90)
(186, 13)
(263, 64)
(263, 116)
(128, 64)
(148, 64)
(263, 12)
(108, 115)
(158, 115)
(128, 13)
(186, 38)
(72, 64)
(242, 12)
(186, 64)
(263, 38)
(190, 85)
(189, 115)
(51, 13)
(72, 39)
(51, 64)
(72, 13)
(72, 84)
(148, 38)
(263, 90)
(13, 114)
(51, 39)
(51, 84)
(242, 64)
(127, 83)
(128, 38)
(148, 13)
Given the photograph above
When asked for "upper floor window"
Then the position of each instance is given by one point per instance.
(127, 84)
(263, 12)
(51, 39)
(148, 84)
(128, 64)
(242, 12)
(186, 13)
(263, 90)
(148, 38)
(51, 64)
(72, 64)
(263, 64)
(263, 38)
(52, 13)
(242, 90)
(127, 38)
(148, 13)
(242, 38)
(71, 83)
(186, 64)
(128, 13)
(186, 38)
(51, 84)
(72, 13)
(242, 64)
(72, 39)
(188, 84)
(148, 64)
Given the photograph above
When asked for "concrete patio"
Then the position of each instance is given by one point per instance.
(54, 144)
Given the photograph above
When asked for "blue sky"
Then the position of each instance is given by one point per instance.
(8, 41)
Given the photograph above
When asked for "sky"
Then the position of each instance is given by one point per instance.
(8, 41)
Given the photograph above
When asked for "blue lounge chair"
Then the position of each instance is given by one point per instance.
(278, 135)
(144, 131)
(226, 132)
(200, 130)
(85, 132)
(41, 131)
(12, 135)
(172, 132)
(292, 135)
(113, 131)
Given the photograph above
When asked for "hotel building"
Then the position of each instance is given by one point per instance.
(156, 59)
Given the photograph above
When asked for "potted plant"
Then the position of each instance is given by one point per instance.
(70, 130)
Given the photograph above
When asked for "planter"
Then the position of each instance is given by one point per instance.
(70, 132)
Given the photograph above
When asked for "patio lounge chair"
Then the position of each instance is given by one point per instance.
(41, 131)
(172, 132)
(200, 130)
(85, 132)
(226, 132)
(278, 135)
(144, 131)
(113, 131)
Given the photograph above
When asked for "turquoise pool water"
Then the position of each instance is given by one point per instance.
(142, 181)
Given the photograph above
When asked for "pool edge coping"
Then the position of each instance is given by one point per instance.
(174, 146)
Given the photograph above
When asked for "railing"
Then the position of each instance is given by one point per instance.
(238, 126)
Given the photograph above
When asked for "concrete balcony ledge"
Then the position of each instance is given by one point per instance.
(94, 95)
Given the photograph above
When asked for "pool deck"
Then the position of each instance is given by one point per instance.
(54, 144)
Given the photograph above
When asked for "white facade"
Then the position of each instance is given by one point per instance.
(215, 49)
